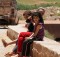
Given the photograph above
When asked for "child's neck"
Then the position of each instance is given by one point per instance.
(36, 23)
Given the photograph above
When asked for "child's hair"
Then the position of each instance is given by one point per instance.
(38, 15)
(42, 11)
(27, 12)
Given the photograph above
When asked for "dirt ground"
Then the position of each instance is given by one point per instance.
(4, 50)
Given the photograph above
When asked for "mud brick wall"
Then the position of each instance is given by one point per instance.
(54, 29)
(46, 48)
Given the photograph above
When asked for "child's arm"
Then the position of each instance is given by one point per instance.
(26, 25)
(34, 34)
(30, 37)
(37, 29)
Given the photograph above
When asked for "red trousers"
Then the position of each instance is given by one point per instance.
(21, 39)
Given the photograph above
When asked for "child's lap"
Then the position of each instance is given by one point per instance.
(25, 34)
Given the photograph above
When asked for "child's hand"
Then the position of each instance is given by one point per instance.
(26, 38)
(26, 25)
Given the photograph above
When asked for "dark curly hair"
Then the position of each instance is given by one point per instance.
(38, 15)
(27, 12)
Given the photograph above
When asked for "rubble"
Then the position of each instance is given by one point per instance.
(52, 13)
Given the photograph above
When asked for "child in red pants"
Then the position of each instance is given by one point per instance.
(22, 35)
(37, 35)
(21, 39)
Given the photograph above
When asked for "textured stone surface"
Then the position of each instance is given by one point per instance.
(53, 28)
(13, 31)
(46, 48)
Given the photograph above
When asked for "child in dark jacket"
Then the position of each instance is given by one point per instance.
(29, 24)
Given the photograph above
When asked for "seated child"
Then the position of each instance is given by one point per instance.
(22, 35)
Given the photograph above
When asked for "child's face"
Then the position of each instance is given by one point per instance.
(36, 19)
(25, 16)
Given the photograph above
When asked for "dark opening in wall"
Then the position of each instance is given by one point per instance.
(57, 39)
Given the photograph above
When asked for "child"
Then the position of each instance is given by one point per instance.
(36, 36)
(27, 15)
(41, 10)
(22, 35)
(29, 24)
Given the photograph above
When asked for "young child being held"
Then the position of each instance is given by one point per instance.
(29, 24)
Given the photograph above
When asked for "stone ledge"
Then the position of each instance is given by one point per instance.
(13, 31)
(46, 48)
(52, 27)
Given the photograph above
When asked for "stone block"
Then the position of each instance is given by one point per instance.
(47, 48)
(14, 31)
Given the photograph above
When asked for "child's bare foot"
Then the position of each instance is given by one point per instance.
(10, 54)
(15, 55)
(4, 43)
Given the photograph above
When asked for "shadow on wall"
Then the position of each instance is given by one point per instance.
(48, 35)
(57, 39)
(54, 29)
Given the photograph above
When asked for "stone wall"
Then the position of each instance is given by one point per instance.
(14, 31)
(54, 29)
(46, 48)
(12, 34)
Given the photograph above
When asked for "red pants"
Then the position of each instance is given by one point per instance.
(21, 39)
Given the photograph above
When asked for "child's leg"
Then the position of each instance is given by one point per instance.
(15, 49)
(21, 39)
(19, 44)
(25, 34)
(13, 52)
(6, 44)
(26, 47)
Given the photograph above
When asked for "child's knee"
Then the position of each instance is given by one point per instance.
(20, 39)
(22, 34)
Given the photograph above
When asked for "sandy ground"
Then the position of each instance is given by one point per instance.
(4, 50)
(3, 35)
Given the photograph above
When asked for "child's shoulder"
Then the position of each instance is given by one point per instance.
(40, 23)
